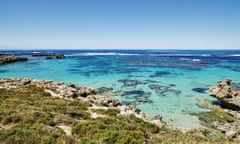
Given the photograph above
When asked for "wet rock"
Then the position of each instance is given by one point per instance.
(224, 93)
(26, 81)
(137, 110)
(72, 85)
(70, 93)
(60, 56)
(49, 57)
(85, 91)
(116, 103)
(200, 90)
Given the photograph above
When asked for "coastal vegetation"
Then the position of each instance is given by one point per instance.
(216, 114)
(31, 115)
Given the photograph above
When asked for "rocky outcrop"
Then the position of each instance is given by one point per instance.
(49, 56)
(226, 95)
(5, 58)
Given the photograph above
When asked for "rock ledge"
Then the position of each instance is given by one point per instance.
(224, 93)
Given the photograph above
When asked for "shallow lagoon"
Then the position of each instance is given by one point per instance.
(169, 83)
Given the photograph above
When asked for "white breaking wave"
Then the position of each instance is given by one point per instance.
(188, 59)
(205, 55)
(102, 54)
(185, 59)
(169, 55)
(234, 55)
(196, 60)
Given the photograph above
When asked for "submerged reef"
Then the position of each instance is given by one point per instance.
(134, 83)
(164, 90)
(200, 90)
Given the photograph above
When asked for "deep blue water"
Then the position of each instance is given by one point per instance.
(166, 82)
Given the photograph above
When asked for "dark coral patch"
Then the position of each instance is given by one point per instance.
(127, 82)
(160, 73)
(200, 90)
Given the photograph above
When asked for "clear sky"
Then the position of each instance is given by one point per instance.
(123, 24)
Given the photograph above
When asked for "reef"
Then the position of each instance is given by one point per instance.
(164, 90)
(6, 58)
(200, 90)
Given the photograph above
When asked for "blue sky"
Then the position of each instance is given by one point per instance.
(122, 24)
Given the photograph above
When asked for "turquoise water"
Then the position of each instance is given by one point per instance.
(183, 77)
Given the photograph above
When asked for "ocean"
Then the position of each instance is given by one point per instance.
(166, 82)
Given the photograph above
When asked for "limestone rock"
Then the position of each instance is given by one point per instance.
(224, 93)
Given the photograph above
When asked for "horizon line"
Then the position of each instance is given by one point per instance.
(207, 49)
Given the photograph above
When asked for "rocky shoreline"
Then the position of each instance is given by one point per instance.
(229, 96)
(100, 101)
(70, 92)
(6, 58)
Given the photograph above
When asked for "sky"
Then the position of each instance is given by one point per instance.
(119, 24)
